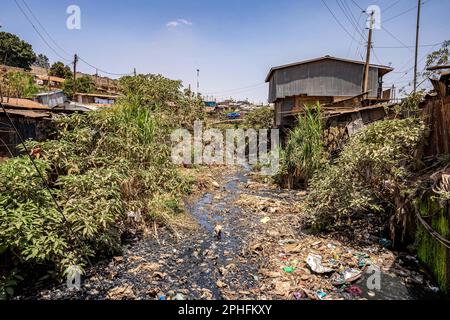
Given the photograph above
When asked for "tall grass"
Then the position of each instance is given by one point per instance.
(304, 152)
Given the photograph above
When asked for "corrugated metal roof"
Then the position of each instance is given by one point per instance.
(385, 68)
(51, 78)
(27, 113)
(23, 104)
(99, 95)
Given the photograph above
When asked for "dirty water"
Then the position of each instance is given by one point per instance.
(200, 266)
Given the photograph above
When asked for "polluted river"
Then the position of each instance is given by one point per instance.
(262, 253)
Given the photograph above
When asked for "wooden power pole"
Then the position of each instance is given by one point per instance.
(365, 87)
(75, 61)
(417, 45)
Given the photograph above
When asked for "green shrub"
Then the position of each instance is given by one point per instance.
(260, 118)
(372, 168)
(103, 168)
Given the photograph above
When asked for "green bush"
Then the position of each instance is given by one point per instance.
(372, 168)
(103, 168)
(260, 118)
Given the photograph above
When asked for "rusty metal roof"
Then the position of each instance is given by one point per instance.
(385, 69)
(28, 113)
(17, 103)
(51, 78)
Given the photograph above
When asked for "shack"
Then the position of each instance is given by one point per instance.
(50, 82)
(95, 99)
(327, 80)
(51, 99)
(31, 119)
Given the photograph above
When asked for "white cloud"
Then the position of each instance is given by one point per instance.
(178, 22)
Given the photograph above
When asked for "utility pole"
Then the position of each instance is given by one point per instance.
(96, 78)
(365, 87)
(134, 72)
(198, 82)
(75, 61)
(417, 45)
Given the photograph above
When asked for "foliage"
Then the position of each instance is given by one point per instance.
(110, 171)
(8, 284)
(436, 58)
(260, 118)
(42, 61)
(304, 153)
(372, 168)
(85, 84)
(410, 104)
(163, 96)
(15, 52)
(59, 69)
(18, 84)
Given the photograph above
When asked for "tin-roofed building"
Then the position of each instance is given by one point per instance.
(325, 80)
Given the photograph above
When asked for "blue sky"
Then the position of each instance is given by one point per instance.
(234, 43)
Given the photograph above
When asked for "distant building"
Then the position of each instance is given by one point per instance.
(326, 80)
(95, 99)
(51, 99)
(50, 81)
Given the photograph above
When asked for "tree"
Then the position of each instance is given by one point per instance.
(85, 84)
(438, 57)
(19, 85)
(15, 52)
(59, 69)
(42, 61)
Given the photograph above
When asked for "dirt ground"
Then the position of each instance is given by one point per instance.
(264, 252)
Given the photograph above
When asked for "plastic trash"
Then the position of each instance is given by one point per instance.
(179, 296)
(265, 220)
(299, 295)
(321, 295)
(351, 275)
(386, 243)
(338, 279)
(315, 264)
(289, 269)
(355, 291)
(162, 298)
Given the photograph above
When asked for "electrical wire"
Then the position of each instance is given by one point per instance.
(337, 20)
(39, 34)
(56, 44)
(404, 12)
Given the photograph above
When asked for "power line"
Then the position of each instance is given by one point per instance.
(52, 39)
(103, 71)
(396, 38)
(356, 4)
(45, 30)
(404, 12)
(392, 5)
(337, 20)
(410, 46)
(39, 34)
(348, 16)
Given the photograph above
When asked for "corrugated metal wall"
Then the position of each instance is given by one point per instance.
(321, 78)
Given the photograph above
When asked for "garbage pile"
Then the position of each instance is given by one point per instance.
(300, 266)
